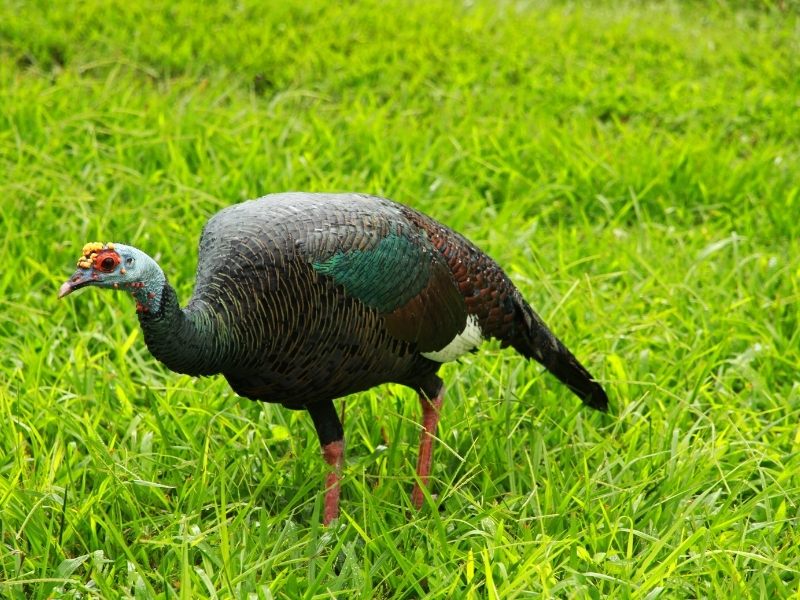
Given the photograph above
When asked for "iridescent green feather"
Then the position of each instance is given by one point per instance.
(384, 278)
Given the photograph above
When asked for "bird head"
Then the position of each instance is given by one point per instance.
(118, 267)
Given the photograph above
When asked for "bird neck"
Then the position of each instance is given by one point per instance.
(149, 291)
(183, 341)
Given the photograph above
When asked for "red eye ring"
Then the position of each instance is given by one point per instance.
(106, 261)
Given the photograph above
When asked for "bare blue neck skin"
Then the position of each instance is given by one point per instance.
(142, 277)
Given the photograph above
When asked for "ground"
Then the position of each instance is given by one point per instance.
(634, 168)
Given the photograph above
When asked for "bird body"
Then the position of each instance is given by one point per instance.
(293, 303)
(303, 298)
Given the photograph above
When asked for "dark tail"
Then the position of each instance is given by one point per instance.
(541, 345)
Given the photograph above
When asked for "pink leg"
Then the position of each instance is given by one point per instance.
(333, 454)
(430, 418)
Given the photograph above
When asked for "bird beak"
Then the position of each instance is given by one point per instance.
(79, 279)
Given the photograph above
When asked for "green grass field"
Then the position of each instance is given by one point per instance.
(634, 169)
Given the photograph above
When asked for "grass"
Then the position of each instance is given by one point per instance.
(635, 170)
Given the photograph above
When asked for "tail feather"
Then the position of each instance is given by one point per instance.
(539, 343)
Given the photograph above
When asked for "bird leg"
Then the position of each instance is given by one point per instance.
(331, 439)
(431, 408)
(333, 453)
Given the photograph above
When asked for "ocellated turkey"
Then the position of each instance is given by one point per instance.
(304, 298)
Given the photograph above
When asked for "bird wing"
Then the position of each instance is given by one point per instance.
(404, 278)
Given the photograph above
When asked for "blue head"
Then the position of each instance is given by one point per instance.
(119, 267)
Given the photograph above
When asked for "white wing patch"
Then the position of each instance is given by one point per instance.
(461, 344)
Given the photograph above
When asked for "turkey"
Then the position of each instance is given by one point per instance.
(304, 298)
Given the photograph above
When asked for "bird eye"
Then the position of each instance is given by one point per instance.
(108, 263)
(129, 262)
